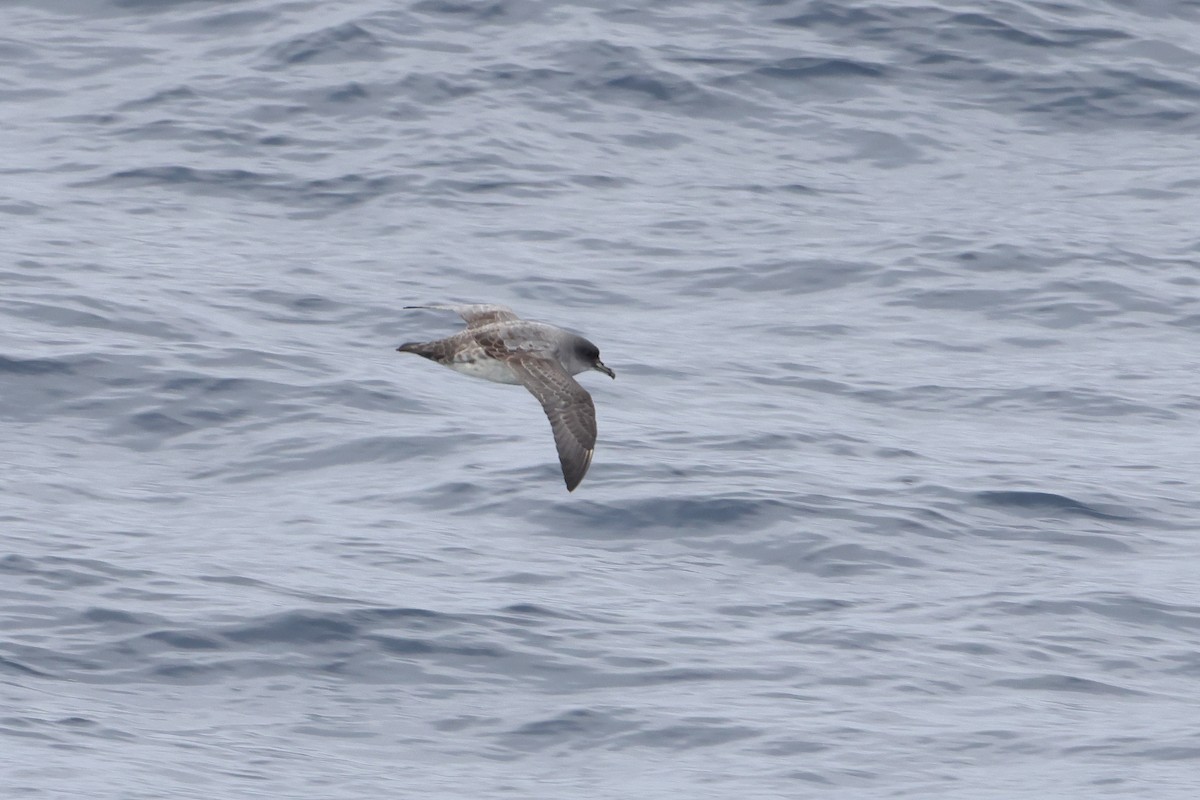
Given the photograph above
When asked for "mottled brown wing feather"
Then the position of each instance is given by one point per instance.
(570, 409)
(478, 314)
(493, 344)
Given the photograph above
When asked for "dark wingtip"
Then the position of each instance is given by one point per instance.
(573, 474)
(572, 477)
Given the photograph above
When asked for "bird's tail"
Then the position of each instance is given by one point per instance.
(424, 349)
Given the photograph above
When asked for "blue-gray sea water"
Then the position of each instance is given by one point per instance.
(896, 492)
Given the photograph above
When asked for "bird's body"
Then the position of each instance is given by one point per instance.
(500, 347)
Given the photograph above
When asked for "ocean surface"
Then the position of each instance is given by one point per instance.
(896, 495)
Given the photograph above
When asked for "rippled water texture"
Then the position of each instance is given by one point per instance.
(895, 493)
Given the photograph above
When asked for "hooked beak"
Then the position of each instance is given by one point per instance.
(599, 365)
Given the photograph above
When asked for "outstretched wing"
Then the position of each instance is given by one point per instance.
(570, 409)
(478, 314)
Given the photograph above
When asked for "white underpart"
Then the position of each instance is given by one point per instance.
(478, 365)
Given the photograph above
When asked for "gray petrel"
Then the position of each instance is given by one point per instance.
(499, 346)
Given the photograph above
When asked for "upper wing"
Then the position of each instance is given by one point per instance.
(570, 409)
(478, 314)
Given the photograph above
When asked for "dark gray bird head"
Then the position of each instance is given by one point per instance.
(582, 355)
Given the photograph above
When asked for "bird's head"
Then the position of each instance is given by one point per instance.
(587, 356)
